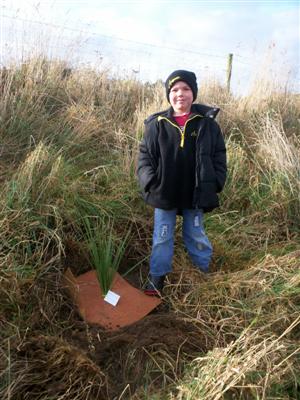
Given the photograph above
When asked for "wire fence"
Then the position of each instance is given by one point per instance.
(22, 37)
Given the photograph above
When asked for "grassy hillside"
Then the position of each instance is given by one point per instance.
(69, 143)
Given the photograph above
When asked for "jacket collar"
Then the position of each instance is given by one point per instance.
(202, 109)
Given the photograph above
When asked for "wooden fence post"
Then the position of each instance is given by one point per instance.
(229, 71)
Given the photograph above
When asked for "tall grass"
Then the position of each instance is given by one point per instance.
(69, 143)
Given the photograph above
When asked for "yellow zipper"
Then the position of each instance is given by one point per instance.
(182, 133)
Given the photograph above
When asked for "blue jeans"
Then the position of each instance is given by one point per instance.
(196, 242)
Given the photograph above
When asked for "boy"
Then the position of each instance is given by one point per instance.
(181, 168)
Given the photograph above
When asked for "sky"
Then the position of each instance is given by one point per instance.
(148, 39)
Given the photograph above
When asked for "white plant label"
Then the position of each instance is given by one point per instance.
(112, 298)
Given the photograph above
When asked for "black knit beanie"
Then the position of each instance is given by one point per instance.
(185, 76)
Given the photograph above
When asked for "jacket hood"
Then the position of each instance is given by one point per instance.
(202, 109)
(206, 111)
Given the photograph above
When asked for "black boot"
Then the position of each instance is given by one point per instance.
(155, 285)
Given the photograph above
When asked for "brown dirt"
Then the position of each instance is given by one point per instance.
(124, 355)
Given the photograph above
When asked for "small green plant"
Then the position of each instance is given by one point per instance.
(105, 250)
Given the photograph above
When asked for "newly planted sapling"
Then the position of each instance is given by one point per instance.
(105, 250)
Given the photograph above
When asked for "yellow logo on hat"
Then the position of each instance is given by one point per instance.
(171, 81)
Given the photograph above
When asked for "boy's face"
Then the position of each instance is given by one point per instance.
(181, 98)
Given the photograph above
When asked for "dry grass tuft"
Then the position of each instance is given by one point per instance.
(256, 311)
(267, 293)
(246, 368)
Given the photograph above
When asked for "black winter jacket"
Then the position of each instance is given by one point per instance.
(182, 169)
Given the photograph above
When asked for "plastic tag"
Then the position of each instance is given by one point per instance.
(112, 298)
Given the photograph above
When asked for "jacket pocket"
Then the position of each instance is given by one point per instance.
(205, 196)
(156, 181)
(207, 172)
